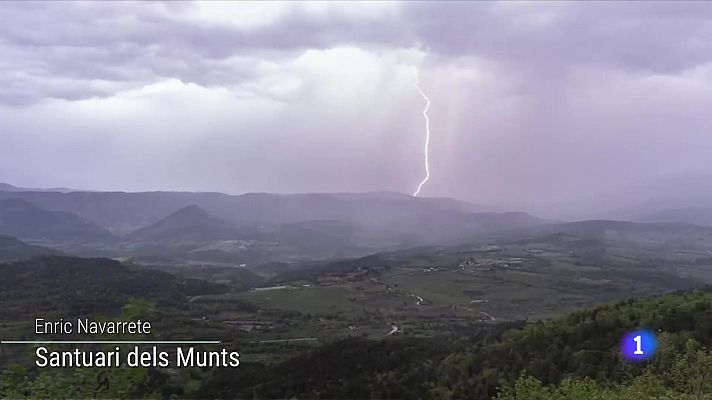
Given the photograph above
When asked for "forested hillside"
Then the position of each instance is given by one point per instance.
(578, 352)
(74, 287)
(571, 357)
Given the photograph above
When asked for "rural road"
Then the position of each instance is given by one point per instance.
(491, 318)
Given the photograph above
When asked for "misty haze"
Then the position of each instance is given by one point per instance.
(435, 200)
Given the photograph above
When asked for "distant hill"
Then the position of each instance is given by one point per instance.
(662, 233)
(602, 227)
(6, 187)
(12, 249)
(694, 216)
(189, 223)
(651, 236)
(24, 220)
(190, 233)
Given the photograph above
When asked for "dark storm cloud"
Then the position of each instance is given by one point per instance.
(659, 36)
(128, 42)
(120, 42)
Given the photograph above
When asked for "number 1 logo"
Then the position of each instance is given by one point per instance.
(638, 345)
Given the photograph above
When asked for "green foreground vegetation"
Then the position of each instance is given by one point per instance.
(570, 357)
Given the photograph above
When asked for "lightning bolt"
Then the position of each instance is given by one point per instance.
(427, 135)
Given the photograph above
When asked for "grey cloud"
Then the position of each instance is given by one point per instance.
(125, 42)
(137, 43)
(657, 36)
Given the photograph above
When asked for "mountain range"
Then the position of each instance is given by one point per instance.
(256, 227)
(262, 228)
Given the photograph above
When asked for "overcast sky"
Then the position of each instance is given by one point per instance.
(532, 103)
